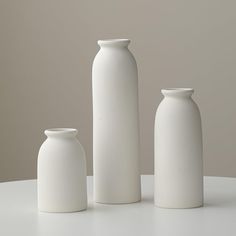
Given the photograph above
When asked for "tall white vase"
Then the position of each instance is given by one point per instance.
(115, 124)
(61, 172)
(178, 151)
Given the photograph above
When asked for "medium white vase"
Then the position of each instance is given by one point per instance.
(178, 151)
(115, 124)
(61, 172)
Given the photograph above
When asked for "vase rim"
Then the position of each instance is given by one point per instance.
(177, 91)
(114, 42)
(60, 132)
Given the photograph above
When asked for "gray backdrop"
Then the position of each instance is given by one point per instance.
(46, 52)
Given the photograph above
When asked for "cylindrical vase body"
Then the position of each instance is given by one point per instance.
(61, 172)
(178, 151)
(115, 124)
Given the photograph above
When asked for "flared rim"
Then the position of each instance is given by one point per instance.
(61, 131)
(114, 42)
(177, 91)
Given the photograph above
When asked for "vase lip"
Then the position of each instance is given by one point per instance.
(114, 42)
(61, 132)
(177, 92)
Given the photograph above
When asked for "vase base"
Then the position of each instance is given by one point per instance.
(179, 207)
(117, 202)
(62, 211)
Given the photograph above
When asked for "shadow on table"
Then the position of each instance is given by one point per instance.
(220, 201)
(148, 200)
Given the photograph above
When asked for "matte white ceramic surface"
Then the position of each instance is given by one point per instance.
(115, 124)
(19, 215)
(61, 172)
(178, 151)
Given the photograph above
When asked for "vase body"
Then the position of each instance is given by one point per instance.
(61, 173)
(115, 124)
(178, 151)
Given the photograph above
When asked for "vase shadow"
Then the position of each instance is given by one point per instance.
(149, 200)
(220, 201)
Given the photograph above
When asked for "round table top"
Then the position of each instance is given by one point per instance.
(19, 214)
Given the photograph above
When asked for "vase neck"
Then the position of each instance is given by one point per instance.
(178, 92)
(61, 133)
(114, 43)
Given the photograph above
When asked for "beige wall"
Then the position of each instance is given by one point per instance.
(47, 48)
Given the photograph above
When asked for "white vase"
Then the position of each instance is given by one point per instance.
(115, 124)
(178, 151)
(61, 172)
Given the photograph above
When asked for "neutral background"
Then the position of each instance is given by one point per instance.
(46, 53)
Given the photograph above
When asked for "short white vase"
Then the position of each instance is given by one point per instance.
(61, 172)
(115, 124)
(178, 151)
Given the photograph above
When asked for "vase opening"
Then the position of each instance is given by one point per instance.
(177, 92)
(61, 132)
(114, 43)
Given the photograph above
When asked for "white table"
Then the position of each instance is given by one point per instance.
(19, 215)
